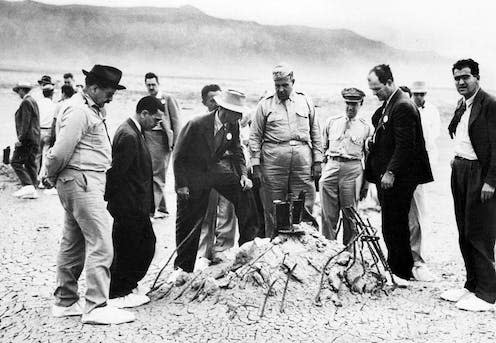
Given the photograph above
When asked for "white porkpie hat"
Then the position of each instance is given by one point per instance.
(231, 100)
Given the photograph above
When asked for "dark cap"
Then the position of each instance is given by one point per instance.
(352, 94)
(107, 75)
(45, 80)
(150, 103)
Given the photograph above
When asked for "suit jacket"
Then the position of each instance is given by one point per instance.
(129, 187)
(399, 144)
(195, 154)
(170, 121)
(27, 121)
(482, 133)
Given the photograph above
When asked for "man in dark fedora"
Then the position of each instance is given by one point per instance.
(129, 192)
(208, 155)
(397, 163)
(77, 164)
(27, 121)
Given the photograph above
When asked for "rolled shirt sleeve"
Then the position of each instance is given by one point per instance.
(256, 135)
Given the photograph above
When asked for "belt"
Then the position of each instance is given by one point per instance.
(290, 142)
(343, 159)
(464, 159)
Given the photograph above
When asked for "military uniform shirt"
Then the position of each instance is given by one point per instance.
(279, 121)
(346, 138)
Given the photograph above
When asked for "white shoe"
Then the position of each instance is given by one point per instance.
(141, 290)
(471, 302)
(50, 191)
(75, 309)
(455, 295)
(26, 192)
(402, 283)
(128, 301)
(422, 273)
(108, 315)
(202, 263)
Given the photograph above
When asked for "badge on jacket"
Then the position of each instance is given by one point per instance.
(229, 136)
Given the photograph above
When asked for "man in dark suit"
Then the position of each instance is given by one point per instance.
(208, 155)
(473, 180)
(129, 192)
(397, 163)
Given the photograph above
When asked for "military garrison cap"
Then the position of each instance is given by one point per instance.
(282, 71)
(352, 94)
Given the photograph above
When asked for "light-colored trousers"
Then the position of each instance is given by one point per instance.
(219, 226)
(285, 168)
(45, 135)
(87, 235)
(338, 189)
(417, 219)
(160, 155)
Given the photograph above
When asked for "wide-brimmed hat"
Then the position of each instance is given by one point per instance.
(108, 75)
(22, 85)
(418, 87)
(45, 80)
(231, 100)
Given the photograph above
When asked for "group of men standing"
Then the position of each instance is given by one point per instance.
(286, 151)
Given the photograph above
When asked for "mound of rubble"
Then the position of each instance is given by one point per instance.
(288, 267)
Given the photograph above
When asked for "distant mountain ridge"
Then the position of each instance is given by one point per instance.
(33, 33)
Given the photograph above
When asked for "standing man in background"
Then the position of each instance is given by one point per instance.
(47, 108)
(69, 80)
(161, 140)
(27, 122)
(344, 146)
(418, 216)
(473, 181)
(285, 145)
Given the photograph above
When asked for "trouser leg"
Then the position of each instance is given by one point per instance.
(70, 261)
(160, 156)
(416, 217)
(134, 247)
(24, 164)
(348, 174)
(300, 175)
(329, 200)
(189, 217)
(395, 204)
(207, 235)
(225, 230)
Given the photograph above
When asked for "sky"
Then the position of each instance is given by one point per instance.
(456, 29)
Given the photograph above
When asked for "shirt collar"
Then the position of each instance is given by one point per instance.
(470, 100)
(89, 101)
(218, 124)
(136, 123)
(291, 97)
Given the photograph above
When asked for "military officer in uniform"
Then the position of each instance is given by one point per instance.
(344, 147)
(285, 144)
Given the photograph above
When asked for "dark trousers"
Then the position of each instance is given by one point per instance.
(24, 164)
(395, 205)
(190, 215)
(134, 247)
(476, 223)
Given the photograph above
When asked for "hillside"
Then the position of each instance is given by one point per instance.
(183, 39)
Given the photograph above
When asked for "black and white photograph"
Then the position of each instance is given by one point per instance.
(259, 171)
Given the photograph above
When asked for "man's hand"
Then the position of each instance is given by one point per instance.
(257, 175)
(183, 193)
(364, 190)
(316, 170)
(17, 144)
(47, 182)
(487, 192)
(387, 180)
(246, 183)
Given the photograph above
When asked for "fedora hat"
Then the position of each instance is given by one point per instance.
(45, 80)
(419, 87)
(231, 100)
(109, 76)
(22, 85)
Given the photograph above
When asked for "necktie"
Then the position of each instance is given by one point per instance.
(460, 109)
(346, 127)
(219, 137)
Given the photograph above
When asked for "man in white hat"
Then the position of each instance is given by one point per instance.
(418, 216)
(344, 146)
(27, 121)
(208, 155)
(285, 144)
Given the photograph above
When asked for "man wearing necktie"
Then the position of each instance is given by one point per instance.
(344, 147)
(473, 181)
(397, 163)
(208, 155)
(285, 145)
(129, 192)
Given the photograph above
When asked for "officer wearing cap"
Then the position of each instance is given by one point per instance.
(285, 144)
(344, 146)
